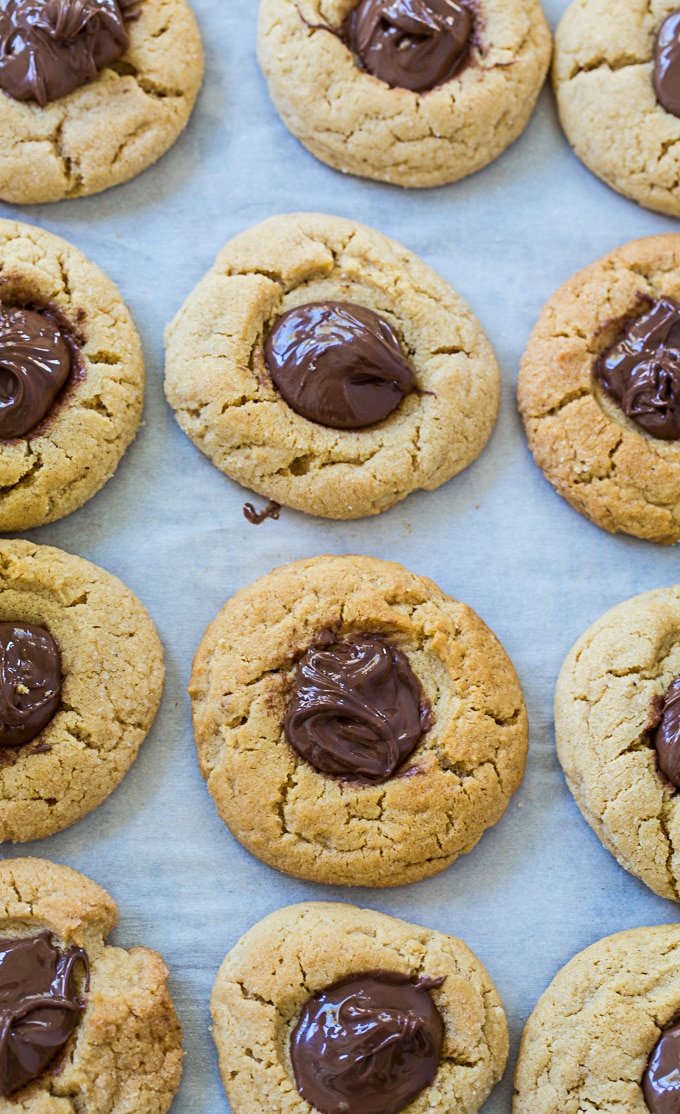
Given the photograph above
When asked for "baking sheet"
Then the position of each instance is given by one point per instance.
(539, 887)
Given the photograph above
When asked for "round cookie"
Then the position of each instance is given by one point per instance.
(603, 76)
(358, 123)
(112, 680)
(266, 979)
(112, 128)
(608, 466)
(588, 1041)
(607, 705)
(219, 386)
(64, 460)
(125, 1053)
(339, 829)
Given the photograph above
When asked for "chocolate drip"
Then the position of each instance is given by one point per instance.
(661, 1081)
(38, 1006)
(48, 48)
(641, 371)
(30, 682)
(369, 1044)
(667, 64)
(36, 358)
(272, 510)
(338, 364)
(410, 44)
(667, 734)
(357, 708)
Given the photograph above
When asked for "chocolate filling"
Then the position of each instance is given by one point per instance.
(369, 1044)
(338, 364)
(641, 371)
(48, 48)
(39, 1008)
(357, 709)
(30, 682)
(661, 1081)
(667, 64)
(410, 44)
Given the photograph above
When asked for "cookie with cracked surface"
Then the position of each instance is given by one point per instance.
(447, 111)
(614, 75)
(129, 107)
(117, 1046)
(71, 377)
(616, 735)
(269, 977)
(97, 693)
(590, 1041)
(599, 390)
(294, 690)
(228, 348)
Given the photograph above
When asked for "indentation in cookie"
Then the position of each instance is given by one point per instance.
(369, 1043)
(30, 682)
(338, 364)
(357, 709)
(48, 48)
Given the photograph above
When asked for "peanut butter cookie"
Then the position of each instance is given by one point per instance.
(599, 390)
(354, 724)
(84, 1026)
(617, 79)
(91, 92)
(604, 1027)
(328, 368)
(420, 1025)
(72, 377)
(617, 723)
(417, 93)
(80, 683)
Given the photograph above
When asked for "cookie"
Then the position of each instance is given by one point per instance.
(99, 700)
(274, 978)
(426, 358)
(74, 372)
(616, 734)
(599, 390)
(354, 724)
(592, 1038)
(617, 79)
(117, 80)
(418, 94)
(103, 1035)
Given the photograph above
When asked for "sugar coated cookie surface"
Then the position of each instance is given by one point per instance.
(614, 718)
(111, 666)
(266, 981)
(220, 386)
(599, 390)
(358, 122)
(606, 77)
(112, 127)
(290, 786)
(64, 459)
(589, 1041)
(122, 1053)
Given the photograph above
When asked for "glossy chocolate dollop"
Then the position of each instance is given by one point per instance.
(48, 48)
(38, 1006)
(357, 708)
(368, 1044)
(667, 734)
(30, 682)
(667, 64)
(661, 1081)
(338, 364)
(410, 44)
(35, 362)
(641, 371)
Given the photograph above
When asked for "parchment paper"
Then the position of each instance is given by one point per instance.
(539, 887)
